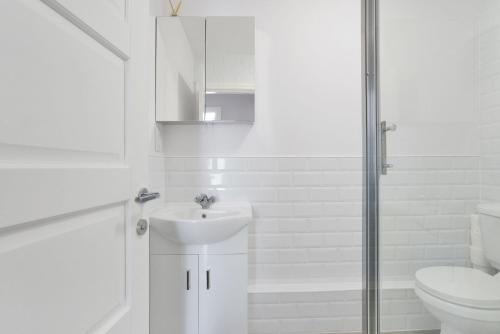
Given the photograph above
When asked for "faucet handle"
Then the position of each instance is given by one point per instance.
(200, 198)
(205, 201)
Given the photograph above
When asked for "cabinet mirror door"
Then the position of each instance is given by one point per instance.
(205, 69)
(230, 72)
(180, 68)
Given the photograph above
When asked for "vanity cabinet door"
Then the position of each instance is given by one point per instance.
(223, 294)
(174, 294)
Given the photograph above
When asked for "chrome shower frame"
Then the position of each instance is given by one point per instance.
(371, 167)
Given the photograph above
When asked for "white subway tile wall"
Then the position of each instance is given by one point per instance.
(157, 175)
(333, 312)
(307, 228)
(426, 203)
(307, 210)
(489, 100)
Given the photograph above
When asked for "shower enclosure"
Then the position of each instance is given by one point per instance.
(431, 148)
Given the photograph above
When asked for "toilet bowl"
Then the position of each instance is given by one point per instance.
(466, 300)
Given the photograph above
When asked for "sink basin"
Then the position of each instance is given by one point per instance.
(188, 223)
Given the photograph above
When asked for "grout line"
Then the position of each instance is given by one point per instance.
(292, 156)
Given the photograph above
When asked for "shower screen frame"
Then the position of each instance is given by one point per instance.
(371, 167)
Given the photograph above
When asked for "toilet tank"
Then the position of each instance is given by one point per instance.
(489, 217)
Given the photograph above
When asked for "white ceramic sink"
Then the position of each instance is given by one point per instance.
(188, 223)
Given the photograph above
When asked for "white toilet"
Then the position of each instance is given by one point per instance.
(466, 300)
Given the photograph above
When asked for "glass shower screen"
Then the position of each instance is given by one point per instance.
(432, 125)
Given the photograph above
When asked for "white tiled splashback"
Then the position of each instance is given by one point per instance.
(307, 226)
(308, 210)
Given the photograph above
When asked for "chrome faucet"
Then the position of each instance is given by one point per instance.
(205, 201)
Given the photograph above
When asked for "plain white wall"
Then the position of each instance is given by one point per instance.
(489, 82)
(427, 76)
(308, 81)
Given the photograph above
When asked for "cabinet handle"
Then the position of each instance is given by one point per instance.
(208, 279)
(188, 280)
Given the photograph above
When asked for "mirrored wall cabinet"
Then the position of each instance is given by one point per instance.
(205, 70)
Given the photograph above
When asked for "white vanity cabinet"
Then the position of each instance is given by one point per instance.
(223, 294)
(199, 269)
(199, 294)
(174, 294)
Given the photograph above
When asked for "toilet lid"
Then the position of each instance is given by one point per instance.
(462, 286)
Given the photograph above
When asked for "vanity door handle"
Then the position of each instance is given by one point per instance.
(208, 279)
(188, 280)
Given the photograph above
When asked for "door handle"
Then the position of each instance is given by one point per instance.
(145, 196)
(188, 280)
(384, 128)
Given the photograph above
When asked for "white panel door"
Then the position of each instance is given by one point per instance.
(68, 247)
(223, 294)
(174, 294)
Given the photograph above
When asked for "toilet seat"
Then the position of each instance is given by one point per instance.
(461, 286)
